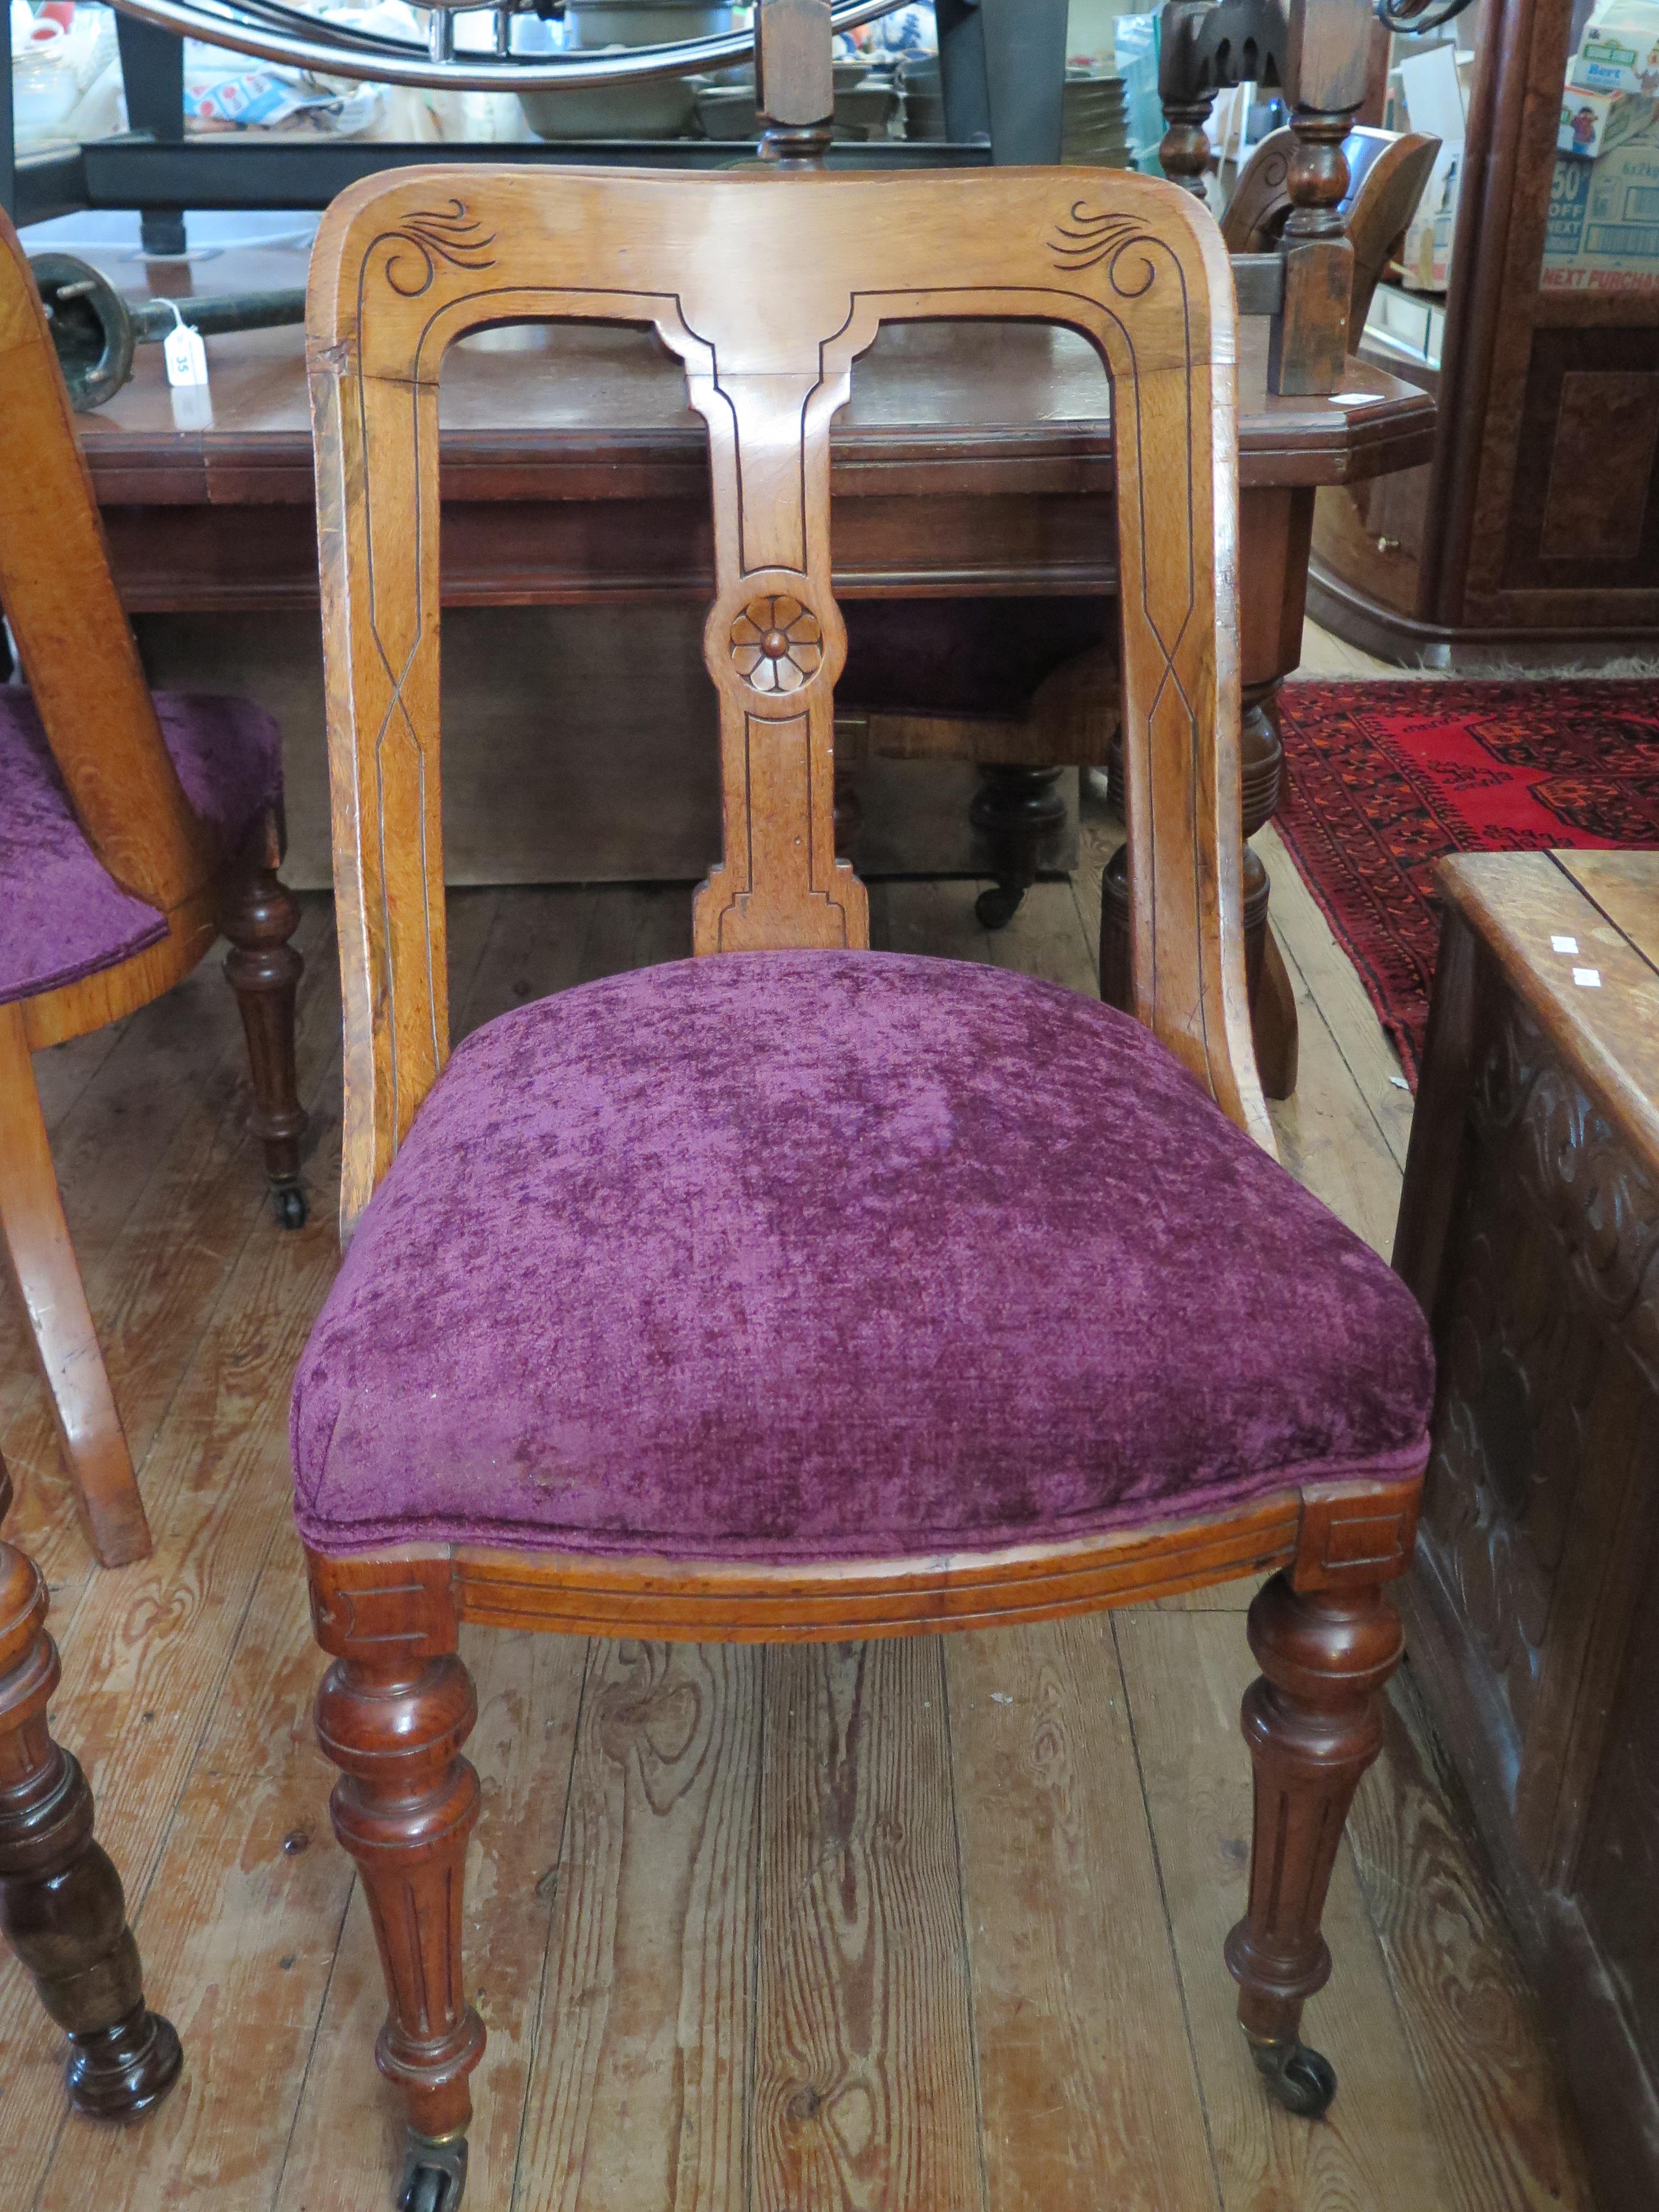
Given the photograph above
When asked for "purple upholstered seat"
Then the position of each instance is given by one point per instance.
(791, 1255)
(61, 916)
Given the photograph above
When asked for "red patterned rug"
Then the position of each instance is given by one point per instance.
(1381, 779)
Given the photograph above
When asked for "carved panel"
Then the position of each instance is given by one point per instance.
(1584, 514)
(1605, 436)
(1554, 1260)
(1619, 1872)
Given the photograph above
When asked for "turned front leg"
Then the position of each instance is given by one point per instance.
(403, 1808)
(1313, 1721)
(61, 1907)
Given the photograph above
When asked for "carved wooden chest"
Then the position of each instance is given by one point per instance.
(1529, 1229)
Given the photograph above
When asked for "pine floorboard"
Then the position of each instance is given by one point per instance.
(925, 1927)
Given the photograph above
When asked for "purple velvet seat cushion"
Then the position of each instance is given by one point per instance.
(61, 916)
(826, 1253)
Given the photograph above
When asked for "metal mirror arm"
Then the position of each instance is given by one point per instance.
(338, 51)
(1417, 17)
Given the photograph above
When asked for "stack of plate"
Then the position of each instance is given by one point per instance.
(1096, 127)
(924, 96)
(866, 104)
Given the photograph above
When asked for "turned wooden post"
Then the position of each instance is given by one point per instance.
(259, 915)
(794, 81)
(1327, 68)
(392, 1714)
(1313, 1721)
(1186, 94)
(61, 1907)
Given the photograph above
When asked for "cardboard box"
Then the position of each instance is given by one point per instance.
(1433, 96)
(1594, 123)
(1619, 50)
(1603, 232)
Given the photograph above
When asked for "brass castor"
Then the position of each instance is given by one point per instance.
(289, 1201)
(1301, 2079)
(435, 2173)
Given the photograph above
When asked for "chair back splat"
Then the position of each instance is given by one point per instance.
(768, 287)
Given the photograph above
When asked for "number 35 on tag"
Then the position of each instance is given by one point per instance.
(185, 355)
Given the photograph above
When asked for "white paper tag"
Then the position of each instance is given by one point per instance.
(185, 355)
(193, 407)
(1564, 945)
(1588, 979)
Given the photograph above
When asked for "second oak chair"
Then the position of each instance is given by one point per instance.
(678, 1305)
(134, 828)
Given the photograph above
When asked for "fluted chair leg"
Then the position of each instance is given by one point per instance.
(259, 917)
(403, 1808)
(61, 1907)
(1313, 1721)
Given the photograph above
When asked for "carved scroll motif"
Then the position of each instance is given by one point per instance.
(448, 233)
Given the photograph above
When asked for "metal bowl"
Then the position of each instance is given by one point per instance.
(655, 107)
(643, 22)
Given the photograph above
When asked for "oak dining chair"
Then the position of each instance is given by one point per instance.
(135, 829)
(677, 1305)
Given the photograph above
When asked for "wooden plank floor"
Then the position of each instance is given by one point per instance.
(901, 1928)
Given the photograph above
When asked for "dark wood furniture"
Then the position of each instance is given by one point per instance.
(967, 463)
(61, 1907)
(1530, 1233)
(402, 268)
(1387, 172)
(101, 726)
(1533, 533)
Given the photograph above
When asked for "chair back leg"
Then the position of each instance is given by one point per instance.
(1313, 1720)
(259, 915)
(42, 1264)
(61, 1907)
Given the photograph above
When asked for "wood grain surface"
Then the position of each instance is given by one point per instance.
(864, 2091)
(1085, 2064)
(641, 2096)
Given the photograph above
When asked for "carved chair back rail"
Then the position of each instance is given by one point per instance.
(767, 286)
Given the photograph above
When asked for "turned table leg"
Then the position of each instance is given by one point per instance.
(1313, 1721)
(1273, 1009)
(1275, 535)
(1016, 810)
(260, 914)
(1272, 999)
(61, 1907)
